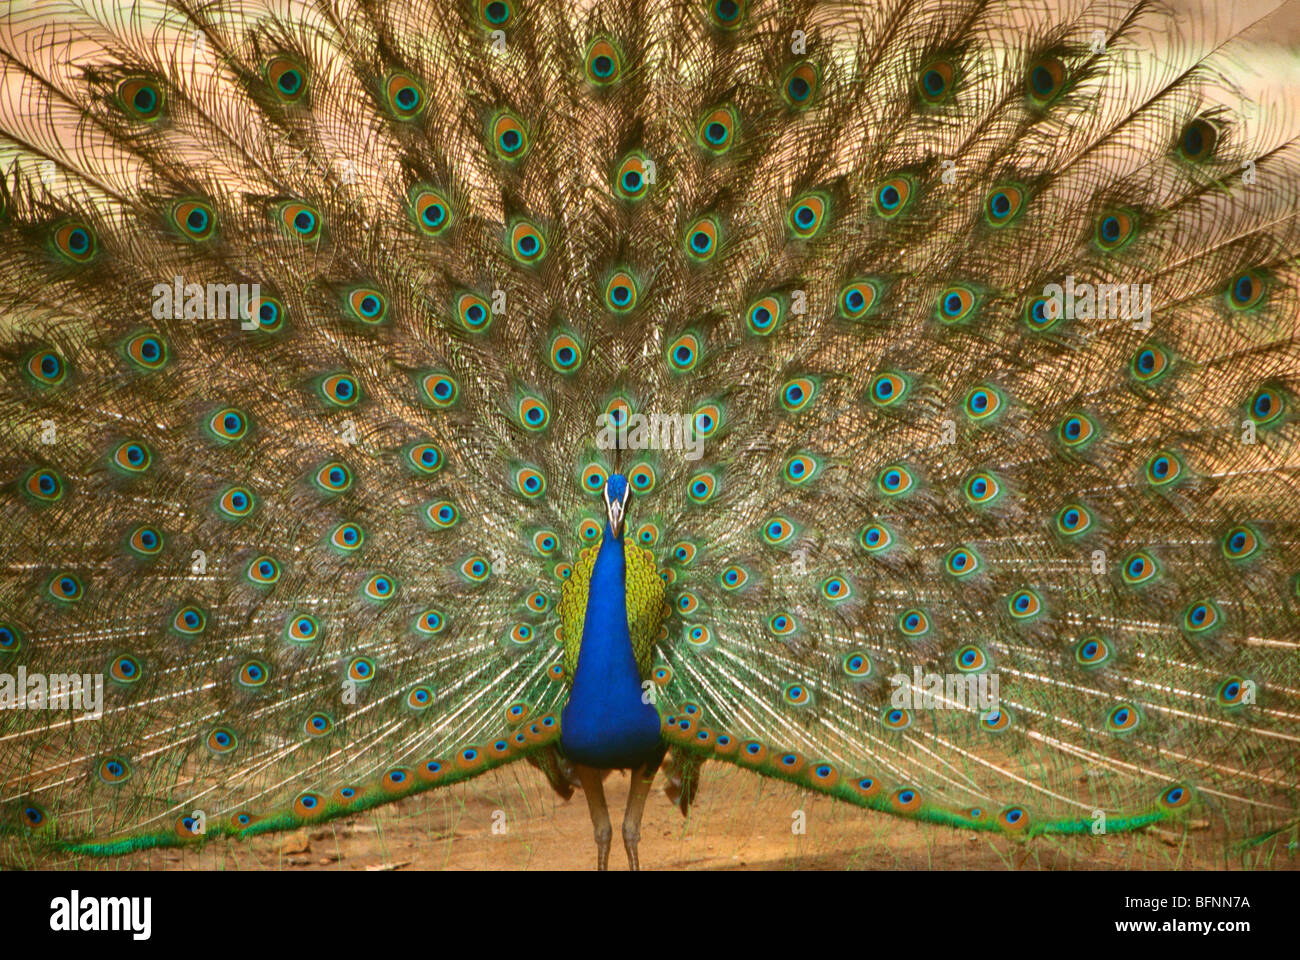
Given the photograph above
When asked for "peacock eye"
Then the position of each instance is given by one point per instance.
(1003, 204)
(1045, 81)
(604, 63)
(508, 137)
(1198, 141)
(807, 215)
(286, 78)
(404, 96)
(935, 81)
(526, 243)
(801, 85)
(621, 293)
(194, 219)
(764, 315)
(727, 14)
(496, 13)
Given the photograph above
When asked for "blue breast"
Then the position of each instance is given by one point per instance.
(605, 724)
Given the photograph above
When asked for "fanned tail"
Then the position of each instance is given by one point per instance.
(940, 339)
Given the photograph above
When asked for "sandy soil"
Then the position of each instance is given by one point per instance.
(509, 820)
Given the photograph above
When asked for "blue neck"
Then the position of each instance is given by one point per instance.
(605, 724)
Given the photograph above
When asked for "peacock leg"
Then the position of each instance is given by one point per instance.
(594, 790)
(642, 779)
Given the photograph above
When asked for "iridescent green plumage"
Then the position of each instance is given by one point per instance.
(645, 605)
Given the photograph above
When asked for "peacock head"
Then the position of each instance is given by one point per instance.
(617, 493)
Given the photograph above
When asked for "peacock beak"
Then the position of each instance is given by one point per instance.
(615, 511)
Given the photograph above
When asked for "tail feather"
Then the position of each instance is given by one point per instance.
(683, 779)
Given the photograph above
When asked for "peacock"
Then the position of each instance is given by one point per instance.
(899, 400)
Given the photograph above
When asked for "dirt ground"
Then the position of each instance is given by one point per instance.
(509, 820)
